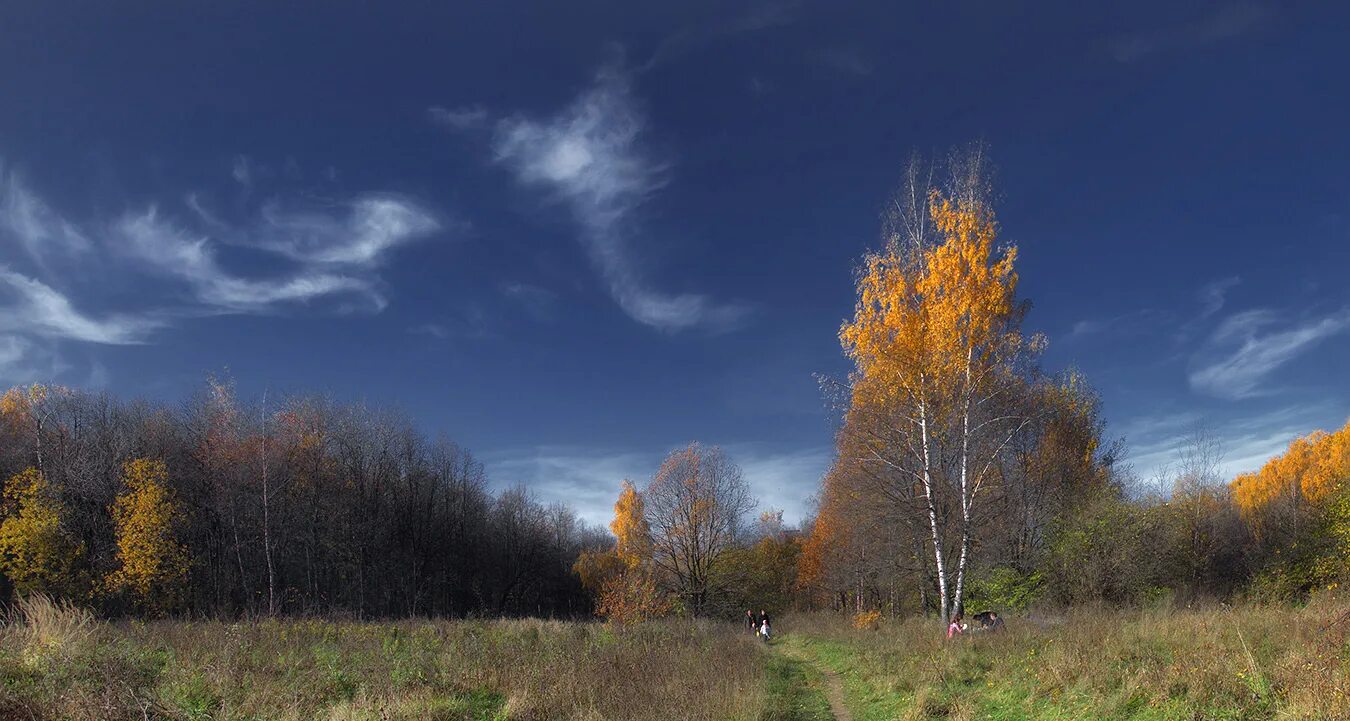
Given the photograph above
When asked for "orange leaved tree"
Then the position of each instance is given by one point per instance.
(1298, 506)
(938, 358)
(621, 578)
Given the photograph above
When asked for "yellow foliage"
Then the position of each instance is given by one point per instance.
(867, 620)
(36, 552)
(14, 404)
(927, 316)
(632, 533)
(153, 564)
(20, 403)
(621, 578)
(1312, 469)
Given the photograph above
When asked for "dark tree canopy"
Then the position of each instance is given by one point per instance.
(352, 509)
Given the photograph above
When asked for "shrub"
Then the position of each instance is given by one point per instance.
(867, 620)
(1004, 589)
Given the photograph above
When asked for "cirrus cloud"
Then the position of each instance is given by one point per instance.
(1247, 347)
(590, 156)
(296, 257)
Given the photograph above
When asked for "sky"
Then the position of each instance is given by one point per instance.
(575, 236)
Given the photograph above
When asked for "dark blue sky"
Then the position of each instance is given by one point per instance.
(572, 236)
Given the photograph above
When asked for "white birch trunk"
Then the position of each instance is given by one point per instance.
(932, 513)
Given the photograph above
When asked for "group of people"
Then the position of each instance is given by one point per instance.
(987, 621)
(758, 624)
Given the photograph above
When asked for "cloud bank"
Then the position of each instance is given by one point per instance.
(588, 479)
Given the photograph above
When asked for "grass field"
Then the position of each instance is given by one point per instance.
(1248, 663)
(1251, 663)
(63, 665)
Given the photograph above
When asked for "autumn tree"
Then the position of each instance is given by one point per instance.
(762, 571)
(37, 552)
(622, 577)
(818, 553)
(859, 550)
(695, 504)
(1298, 507)
(152, 564)
(29, 409)
(939, 354)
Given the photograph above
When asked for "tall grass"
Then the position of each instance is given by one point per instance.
(293, 670)
(45, 626)
(1251, 662)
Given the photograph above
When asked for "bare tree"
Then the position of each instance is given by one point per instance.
(695, 505)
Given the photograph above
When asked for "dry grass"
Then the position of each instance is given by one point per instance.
(294, 670)
(1245, 663)
(49, 628)
(1256, 662)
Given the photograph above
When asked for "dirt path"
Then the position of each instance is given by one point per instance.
(834, 686)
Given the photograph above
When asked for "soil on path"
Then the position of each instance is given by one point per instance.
(834, 686)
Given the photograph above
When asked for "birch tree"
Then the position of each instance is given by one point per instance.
(938, 349)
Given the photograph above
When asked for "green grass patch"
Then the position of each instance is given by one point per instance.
(864, 700)
(794, 692)
(1251, 664)
(480, 705)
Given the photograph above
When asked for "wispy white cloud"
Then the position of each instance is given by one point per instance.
(371, 226)
(1213, 296)
(433, 330)
(21, 362)
(1228, 21)
(36, 308)
(1247, 347)
(242, 171)
(845, 60)
(588, 479)
(305, 255)
(468, 321)
(177, 253)
(590, 156)
(758, 17)
(1156, 443)
(782, 479)
(1133, 323)
(98, 376)
(26, 218)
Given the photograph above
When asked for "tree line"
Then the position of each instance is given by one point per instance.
(300, 505)
(964, 475)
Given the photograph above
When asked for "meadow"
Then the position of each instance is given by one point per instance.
(1251, 662)
(1212, 663)
(58, 663)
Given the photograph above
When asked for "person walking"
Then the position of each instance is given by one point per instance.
(751, 626)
